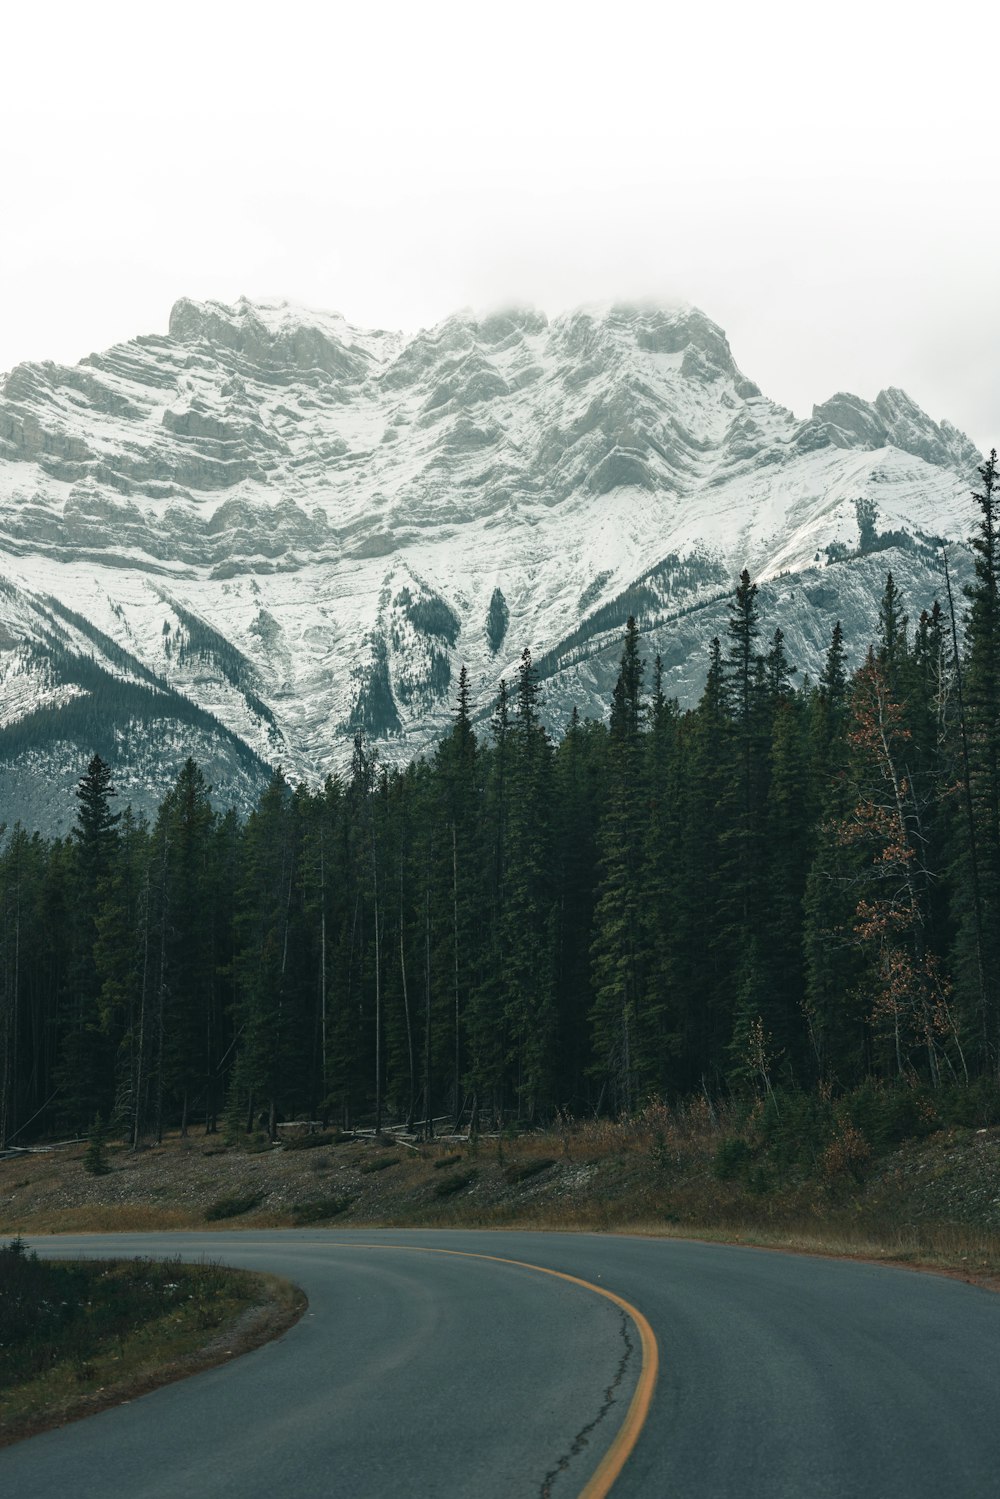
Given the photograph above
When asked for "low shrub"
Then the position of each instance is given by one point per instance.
(452, 1185)
(233, 1207)
(758, 1181)
(309, 1142)
(257, 1144)
(732, 1160)
(974, 1106)
(71, 1313)
(888, 1116)
(795, 1126)
(523, 1170)
(847, 1153)
(319, 1209)
(95, 1161)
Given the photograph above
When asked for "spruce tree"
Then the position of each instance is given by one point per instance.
(623, 1024)
(94, 829)
(86, 1072)
(833, 1006)
(457, 765)
(661, 795)
(980, 897)
(264, 911)
(744, 680)
(578, 786)
(182, 842)
(893, 638)
(705, 936)
(827, 716)
(529, 913)
(486, 1025)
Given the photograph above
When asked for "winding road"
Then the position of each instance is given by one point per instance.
(429, 1366)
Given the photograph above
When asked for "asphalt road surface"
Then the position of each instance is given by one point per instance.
(451, 1376)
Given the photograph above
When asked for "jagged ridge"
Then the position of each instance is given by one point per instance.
(303, 528)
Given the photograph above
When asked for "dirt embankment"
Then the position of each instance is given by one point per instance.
(935, 1202)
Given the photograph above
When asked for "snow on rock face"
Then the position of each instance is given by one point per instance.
(893, 419)
(297, 528)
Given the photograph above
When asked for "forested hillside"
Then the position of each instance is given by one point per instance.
(795, 884)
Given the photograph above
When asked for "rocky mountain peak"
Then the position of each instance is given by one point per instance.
(279, 527)
(894, 419)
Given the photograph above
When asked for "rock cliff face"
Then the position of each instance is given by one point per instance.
(267, 529)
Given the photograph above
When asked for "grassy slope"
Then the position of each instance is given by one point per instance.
(79, 1336)
(934, 1202)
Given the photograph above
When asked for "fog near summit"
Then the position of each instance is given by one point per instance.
(824, 185)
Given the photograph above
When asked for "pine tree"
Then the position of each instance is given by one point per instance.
(457, 765)
(486, 1022)
(705, 938)
(893, 639)
(21, 933)
(752, 1052)
(263, 931)
(778, 671)
(833, 678)
(979, 903)
(95, 1161)
(661, 795)
(745, 684)
(529, 914)
(86, 1072)
(623, 1023)
(578, 779)
(788, 845)
(827, 717)
(182, 843)
(95, 828)
(121, 957)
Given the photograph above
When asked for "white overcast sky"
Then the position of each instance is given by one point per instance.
(823, 181)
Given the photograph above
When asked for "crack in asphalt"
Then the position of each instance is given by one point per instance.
(581, 1440)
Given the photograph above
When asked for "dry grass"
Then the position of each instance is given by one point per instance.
(188, 1318)
(934, 1203)
(103, 1218)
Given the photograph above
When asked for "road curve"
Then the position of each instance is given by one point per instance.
(452, 1375)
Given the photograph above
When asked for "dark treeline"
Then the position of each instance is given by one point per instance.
(789, 885)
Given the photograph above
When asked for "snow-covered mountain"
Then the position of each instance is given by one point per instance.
(248, 537)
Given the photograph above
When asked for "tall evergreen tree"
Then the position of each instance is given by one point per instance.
(486, 1020)
(705, 939)
(263, 932)
(529, 914)
(457, 764)
(747, 701)
(578, 781)
(979, 903)
(86, 1074)
(623, 1029)
(893, 637)
(184, 837)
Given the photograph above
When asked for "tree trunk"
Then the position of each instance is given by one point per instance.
(454, 910)
(977, 905)
(378, 994)
(428, 1121)
(411, 1104)
(139, 1079)
(322, 964)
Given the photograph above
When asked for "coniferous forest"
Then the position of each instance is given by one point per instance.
(794, 885)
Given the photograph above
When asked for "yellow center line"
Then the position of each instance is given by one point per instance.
(609, 1468)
